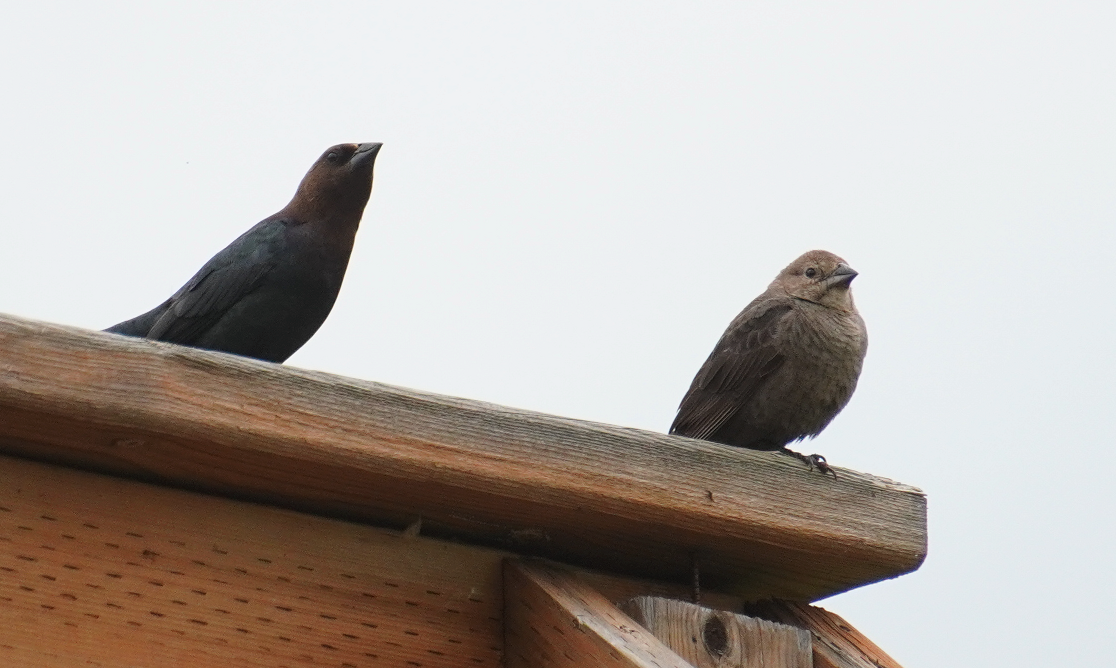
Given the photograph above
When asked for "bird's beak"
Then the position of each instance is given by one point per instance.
(842, 275)
(365, 155)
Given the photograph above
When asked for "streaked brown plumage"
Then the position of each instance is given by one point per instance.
(785, 366)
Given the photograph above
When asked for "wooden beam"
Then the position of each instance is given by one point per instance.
(717, 639)
(620, 499)
(836, 643)
(553, 619)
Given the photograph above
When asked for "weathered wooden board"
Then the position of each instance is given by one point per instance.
(836, 643)
(555, 620)
(625, 500)
(708, 638)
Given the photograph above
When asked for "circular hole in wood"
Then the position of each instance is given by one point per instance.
(715, 636)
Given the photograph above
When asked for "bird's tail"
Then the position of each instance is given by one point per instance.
(139, 325)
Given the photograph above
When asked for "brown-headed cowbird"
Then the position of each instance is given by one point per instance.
(785, 366)
(266, 293)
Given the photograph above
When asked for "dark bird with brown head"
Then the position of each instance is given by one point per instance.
(785, 366)
(269, 291)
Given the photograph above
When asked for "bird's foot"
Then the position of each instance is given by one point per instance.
(812, 462)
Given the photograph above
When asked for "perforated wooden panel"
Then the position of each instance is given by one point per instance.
(96, 571)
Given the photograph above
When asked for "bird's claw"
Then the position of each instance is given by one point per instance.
(812, 462)
(822, 466)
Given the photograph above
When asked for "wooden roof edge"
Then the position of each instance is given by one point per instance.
(620, 499)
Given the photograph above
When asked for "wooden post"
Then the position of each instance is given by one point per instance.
(717, 639)
(836, 643)
(552, 619)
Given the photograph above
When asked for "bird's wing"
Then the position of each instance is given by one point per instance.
(226, 279)
(738, 367)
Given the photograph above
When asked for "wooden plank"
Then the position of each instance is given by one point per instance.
(624, 500)
(553, 619)
(96, 570)
(101, 571)
(836, 643)
(717, 639)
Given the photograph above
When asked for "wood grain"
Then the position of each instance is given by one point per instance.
(101, 571)
(553, 620)
(710, 638)
(96, 570)
(625, 500)
(836, 643)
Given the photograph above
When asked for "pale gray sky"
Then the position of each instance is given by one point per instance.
(574, 199)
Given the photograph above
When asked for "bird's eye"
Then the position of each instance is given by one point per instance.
(811, 272)
(332, 157)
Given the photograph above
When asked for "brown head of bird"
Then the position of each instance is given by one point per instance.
(337, 185)
(819, 277)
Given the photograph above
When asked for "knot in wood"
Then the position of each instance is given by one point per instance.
(715, 636)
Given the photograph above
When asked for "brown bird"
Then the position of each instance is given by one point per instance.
(785, 366)
(270, 290)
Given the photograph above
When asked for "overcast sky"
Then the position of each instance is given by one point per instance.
(575, 198)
